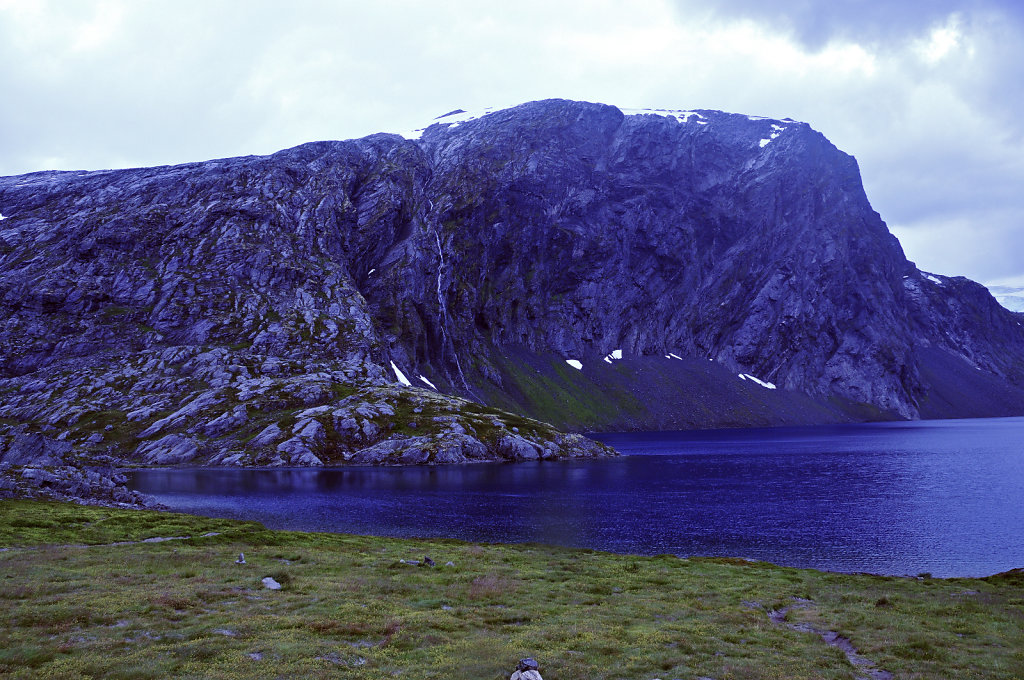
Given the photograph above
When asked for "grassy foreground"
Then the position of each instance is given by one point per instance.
(350, 608)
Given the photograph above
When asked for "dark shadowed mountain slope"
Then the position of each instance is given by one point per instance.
(261, 309)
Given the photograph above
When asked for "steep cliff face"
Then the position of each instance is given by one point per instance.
(245, 310)
(578, 230)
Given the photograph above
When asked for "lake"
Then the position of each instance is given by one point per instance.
(944, 497)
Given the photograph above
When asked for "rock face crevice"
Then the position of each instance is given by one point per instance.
(478, 258)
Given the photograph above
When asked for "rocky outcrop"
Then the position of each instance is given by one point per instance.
(166, 410)
(35, 466)
(355, 302)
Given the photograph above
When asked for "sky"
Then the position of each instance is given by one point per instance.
(927, 94)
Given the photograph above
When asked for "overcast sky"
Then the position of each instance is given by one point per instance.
(927, 94)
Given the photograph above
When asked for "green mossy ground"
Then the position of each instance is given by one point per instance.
(350, 608)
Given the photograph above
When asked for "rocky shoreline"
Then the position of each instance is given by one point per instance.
(71, 483)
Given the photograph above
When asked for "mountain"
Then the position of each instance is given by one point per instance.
(393, 300)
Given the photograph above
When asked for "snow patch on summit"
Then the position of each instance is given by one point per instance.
(680, 115)
(452, 119)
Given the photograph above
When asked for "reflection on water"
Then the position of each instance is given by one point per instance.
(942, 496)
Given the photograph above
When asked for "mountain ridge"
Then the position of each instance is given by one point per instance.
(244, 310)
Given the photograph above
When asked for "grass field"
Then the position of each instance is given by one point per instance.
(350, 608)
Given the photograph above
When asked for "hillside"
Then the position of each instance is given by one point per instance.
(393, 300)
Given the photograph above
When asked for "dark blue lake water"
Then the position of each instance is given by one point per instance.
(945, 497)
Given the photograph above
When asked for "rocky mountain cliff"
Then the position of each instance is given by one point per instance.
(374, 300)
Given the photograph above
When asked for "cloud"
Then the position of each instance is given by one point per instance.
(925, 94)
(815, 23)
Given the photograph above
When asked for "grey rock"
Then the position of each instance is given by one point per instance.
(515, 447)
(267, 436)
(296, 451)
(527, 669)
(527, 664)
(310, 430)
(226, 422)
(270, 584)
(526, 675)
(34, 449)
(168, 450)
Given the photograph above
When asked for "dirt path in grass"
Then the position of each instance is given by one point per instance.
(154, 539)
(865, 667)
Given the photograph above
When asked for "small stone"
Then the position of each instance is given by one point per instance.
(269, 583)
(427, 562)
(449, 564)
(241, 558)
(526, 669)
(526, 675)
(255, 656)
(527, 664)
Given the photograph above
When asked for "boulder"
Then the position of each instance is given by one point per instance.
(168, 450)
(515, 447)
(527, 669)
(33, 449)
(296, 451)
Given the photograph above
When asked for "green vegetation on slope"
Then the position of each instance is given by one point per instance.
(350, 607)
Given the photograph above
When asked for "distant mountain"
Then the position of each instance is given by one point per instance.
(1008, 296)
(392, 300)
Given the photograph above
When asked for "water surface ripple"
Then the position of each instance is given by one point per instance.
(945, 497)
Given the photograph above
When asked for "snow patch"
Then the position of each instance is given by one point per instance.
(370, 272)
(675, 356)
(2, 218)
(762, 383)
(776, 131)
(679, 114)
(452, 119)
(933, 279)
(575, 363)
(616, 354)
(432, 385)
(401, 376)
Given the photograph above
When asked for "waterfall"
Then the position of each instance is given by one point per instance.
(444, 312)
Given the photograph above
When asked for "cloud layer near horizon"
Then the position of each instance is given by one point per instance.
(925, 94)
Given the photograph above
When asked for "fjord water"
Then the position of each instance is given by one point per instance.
(945, 497)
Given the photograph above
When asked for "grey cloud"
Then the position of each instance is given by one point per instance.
(816, 22)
